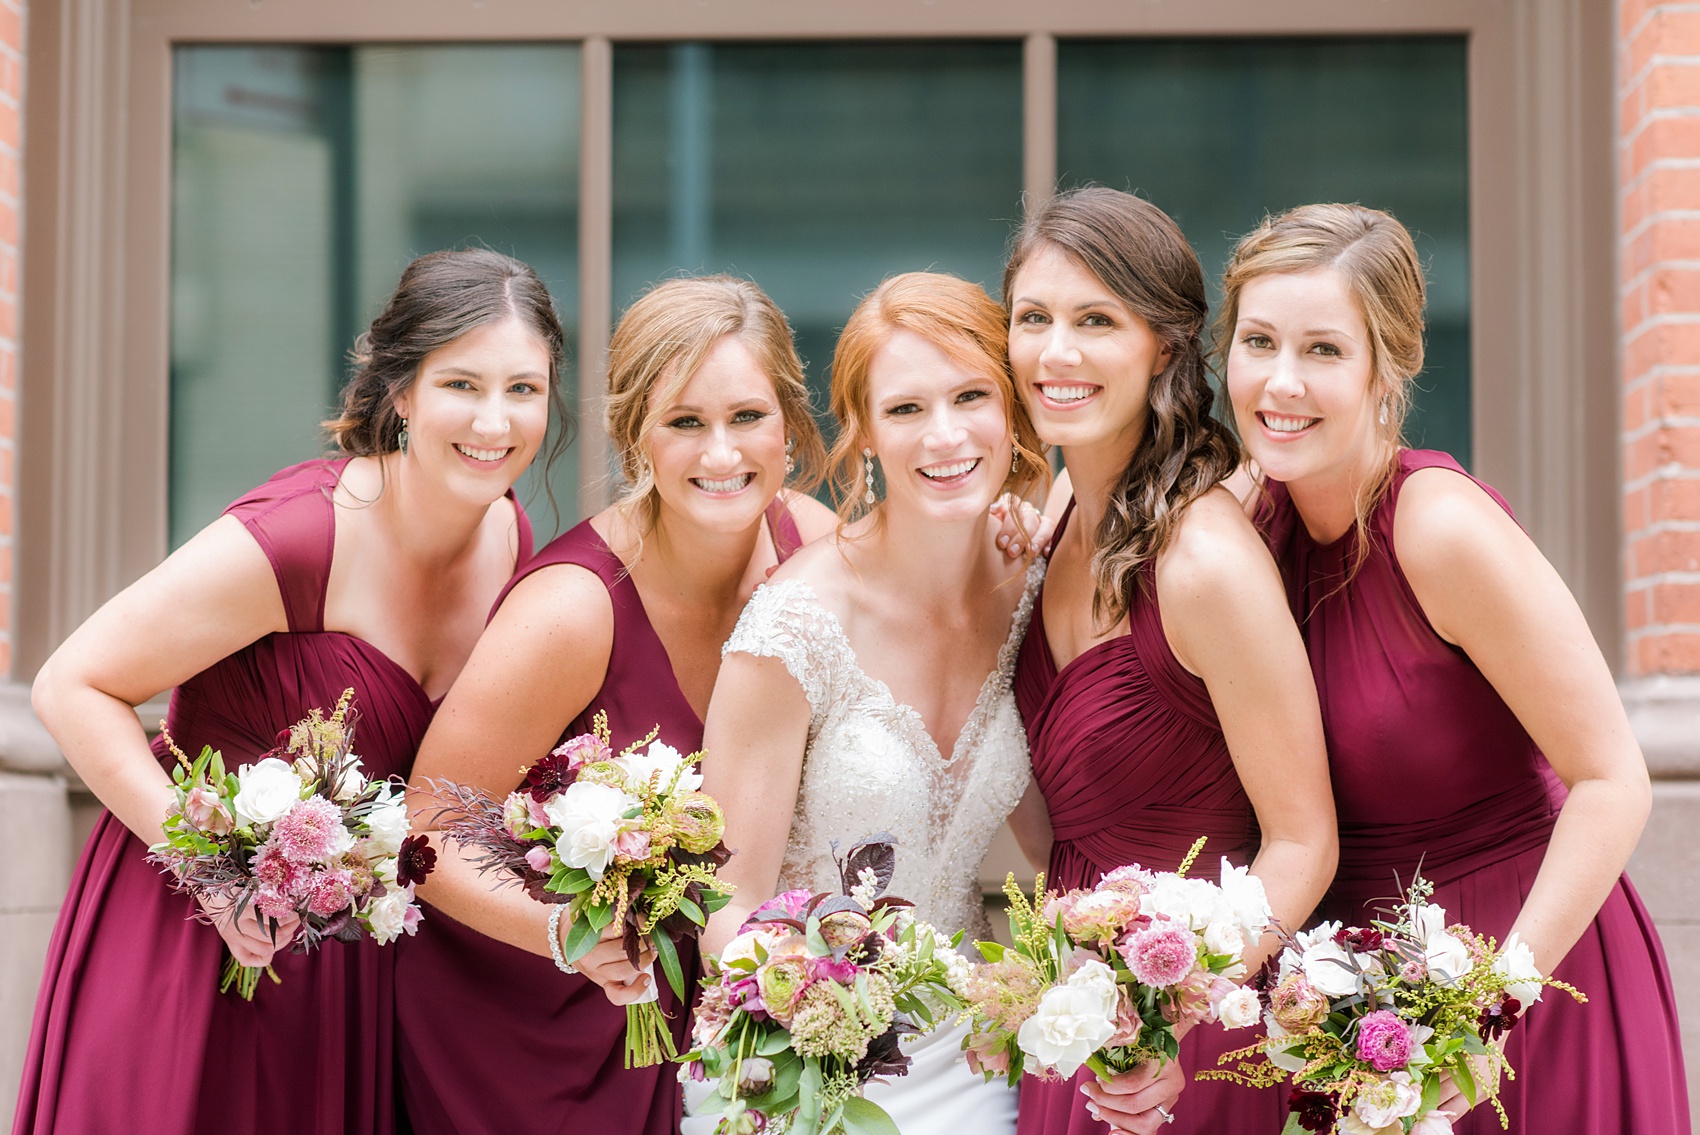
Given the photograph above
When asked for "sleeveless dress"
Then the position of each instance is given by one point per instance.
(1130, 757)
(131, 1033)
(494, 1039)
(871, 766)
(1430, 767)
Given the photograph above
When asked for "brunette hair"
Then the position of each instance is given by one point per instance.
(1376, 257)
(442, 296)
(1137, 252)
(958, 318)
(660, 342)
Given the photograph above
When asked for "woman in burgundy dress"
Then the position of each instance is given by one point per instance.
(1161, 680)
(372, 571)
(1455, 671)
(625, 613)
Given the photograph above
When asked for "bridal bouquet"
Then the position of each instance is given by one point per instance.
(1103, 977)
(809, 1001)
(1368, 1020)
(623, 841)
(301, 831)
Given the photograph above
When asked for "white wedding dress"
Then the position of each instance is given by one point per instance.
(870, 767)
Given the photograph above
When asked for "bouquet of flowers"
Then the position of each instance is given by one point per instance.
(1103, 977)
(809, 1001)
(623, 840)
(1368, 1019)
(301, 831)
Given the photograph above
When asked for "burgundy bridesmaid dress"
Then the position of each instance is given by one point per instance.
(494, 1040)
(1130, 757)
(131, 1034)
(1432, 769)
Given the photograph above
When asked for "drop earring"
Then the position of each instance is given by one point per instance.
(1015, 462)
(401, 438)
(868, 497)
(790, 463)
(1384, 411)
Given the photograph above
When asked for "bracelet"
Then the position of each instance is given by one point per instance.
(561, 962)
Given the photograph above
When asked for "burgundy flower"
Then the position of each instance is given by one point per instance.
(551, 774)
(1316, 1111)
(414, 861)
(1357, 939)
(1496, 1020)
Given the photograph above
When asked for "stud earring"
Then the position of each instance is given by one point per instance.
(401, 438)
(868, 497)
(790, 463)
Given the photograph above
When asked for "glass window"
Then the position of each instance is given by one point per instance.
(304, 179)
(1219, 132)
(815, 170)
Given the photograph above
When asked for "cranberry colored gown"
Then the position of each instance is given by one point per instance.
(131, 1034)
(495, 1040)
(1130, 757)
(1431, 767)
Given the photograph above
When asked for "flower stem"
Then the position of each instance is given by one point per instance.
(648, 1040)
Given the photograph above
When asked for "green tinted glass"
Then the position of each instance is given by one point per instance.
(304, 180)
(1219, 132)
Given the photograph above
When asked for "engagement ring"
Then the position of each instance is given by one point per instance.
(1168, 1117)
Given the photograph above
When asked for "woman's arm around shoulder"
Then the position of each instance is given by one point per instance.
(1487, 589)
(1226, 618)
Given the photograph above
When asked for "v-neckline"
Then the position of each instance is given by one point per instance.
(1059, 669)
(624, 576)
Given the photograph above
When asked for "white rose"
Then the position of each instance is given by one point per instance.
(1245, 898)
(1288, 1060)
(743, 947)
(1194, 903)
(269, 789)
(1447, 958)
(387, 823)
(387, 916)
(1517, 962)
(353, 784)
(660, 758)
(589, 816)
(1073, 1020)
(1330, 970)
(1238, 1009)
(1224, 938)
(1430, 920)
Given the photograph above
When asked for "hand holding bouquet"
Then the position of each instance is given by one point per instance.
(1105, 977)
(809, 1001)
(302, 832)
(1369, 1020)
(624, 841)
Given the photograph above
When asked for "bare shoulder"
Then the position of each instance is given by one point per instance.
(226, 572)
(1213, 550)
(1445, 521)
(562, 600)
(821, 564)
(813, 518)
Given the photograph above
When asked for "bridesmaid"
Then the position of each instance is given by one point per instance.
(1454, 667)
(372, 570)
(1161, 679)
(625, 613)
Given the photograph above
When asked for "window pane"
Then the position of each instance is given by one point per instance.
(816, 170)
(304, 179)
(1219, 132)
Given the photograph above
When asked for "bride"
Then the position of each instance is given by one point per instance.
(867, 686)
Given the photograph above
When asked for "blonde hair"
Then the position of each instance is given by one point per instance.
(958, 318)
(660, 342)
(1375, 256)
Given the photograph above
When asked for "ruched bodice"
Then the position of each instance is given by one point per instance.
(870, 764)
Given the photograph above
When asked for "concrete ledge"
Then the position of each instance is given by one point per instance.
(1664, 711)
(25, 744)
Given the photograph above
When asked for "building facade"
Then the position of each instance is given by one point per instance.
(211, 196)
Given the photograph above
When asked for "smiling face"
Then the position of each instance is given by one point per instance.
(479, 410)
(939, 430)
(1300, 375)
(1083, 361)
(718, 447)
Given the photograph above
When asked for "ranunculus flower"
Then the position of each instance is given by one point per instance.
(585, 749)
(538, 859)
(1238, 1009)
(1128, 1022)
(1381, 1105)
(781, 982)
(1246, 900)
(268, 790)
(203, 808)
(632, 844)
(842, 927)
(1297, 1004)
(789, 904)
(1160, 955)
(1517, 962)
(657, 766)
(1448, 958)
(1134, 881)
(1384, 1041)
(1101, 916)
(743, 947)
(1330, 970)
(589, 817)
(755, 1076)
(516, 815)
(984, 1057)
(1073, 1020)
(697, 822)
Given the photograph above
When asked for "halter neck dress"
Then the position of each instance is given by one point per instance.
(1130, 757)
(1431, 769)
(494, 1039)
(130, 1032)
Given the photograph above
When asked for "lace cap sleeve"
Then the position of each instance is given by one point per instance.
(1011, 648)
(785, 620)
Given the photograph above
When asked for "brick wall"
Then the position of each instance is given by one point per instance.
(1659, 169)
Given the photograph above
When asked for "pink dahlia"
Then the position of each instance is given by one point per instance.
(312, 831)
(1384, 1040)
(1160, 956)
(332, 892)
